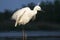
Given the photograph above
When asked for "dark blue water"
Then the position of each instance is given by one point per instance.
(31, 35)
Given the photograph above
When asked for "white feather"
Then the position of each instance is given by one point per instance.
(24, 15)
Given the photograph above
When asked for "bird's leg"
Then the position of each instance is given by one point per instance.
(23, 34)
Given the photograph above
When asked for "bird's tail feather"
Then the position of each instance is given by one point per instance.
(15, 24)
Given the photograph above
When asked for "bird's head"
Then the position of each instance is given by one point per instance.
(37, 8)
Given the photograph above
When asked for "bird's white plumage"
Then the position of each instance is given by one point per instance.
(19, 13)
(24, 15)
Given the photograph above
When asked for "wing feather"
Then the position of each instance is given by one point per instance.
(18, 14)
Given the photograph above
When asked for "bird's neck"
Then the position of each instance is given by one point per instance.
(35, 10)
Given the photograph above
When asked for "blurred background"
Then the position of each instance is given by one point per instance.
(45, 22)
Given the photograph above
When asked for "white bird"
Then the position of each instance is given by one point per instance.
(24, 15)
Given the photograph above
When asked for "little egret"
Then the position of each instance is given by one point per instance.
(24, 15)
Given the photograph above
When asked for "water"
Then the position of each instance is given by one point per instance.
(31, 35)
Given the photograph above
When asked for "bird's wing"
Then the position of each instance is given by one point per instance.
(18, 18)
(18, 14)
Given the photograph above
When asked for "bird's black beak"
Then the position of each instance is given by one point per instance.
(42, 11)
